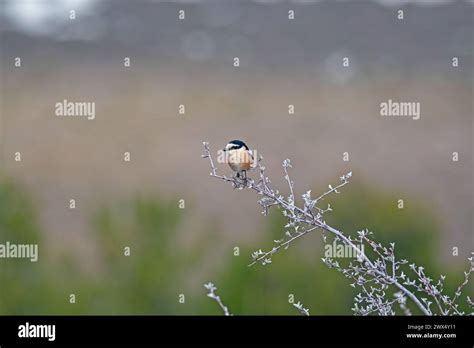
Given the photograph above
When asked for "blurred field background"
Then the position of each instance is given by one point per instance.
(174, 251)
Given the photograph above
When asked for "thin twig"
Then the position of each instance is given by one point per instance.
(303, 221)
(212, 294)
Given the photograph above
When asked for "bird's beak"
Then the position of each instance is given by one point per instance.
(224, 150)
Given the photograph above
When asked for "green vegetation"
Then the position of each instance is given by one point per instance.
(159, 268)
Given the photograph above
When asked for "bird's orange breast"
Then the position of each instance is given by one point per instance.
(240, 160)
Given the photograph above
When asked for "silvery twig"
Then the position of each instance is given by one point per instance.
(373, 276)
(300, 307)
(212, 294)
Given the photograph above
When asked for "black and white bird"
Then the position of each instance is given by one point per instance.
(239, 157)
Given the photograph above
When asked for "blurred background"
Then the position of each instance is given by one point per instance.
(189, 62)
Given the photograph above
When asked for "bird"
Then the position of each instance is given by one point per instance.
(239, 158)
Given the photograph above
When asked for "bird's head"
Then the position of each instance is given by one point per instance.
(235, 145)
